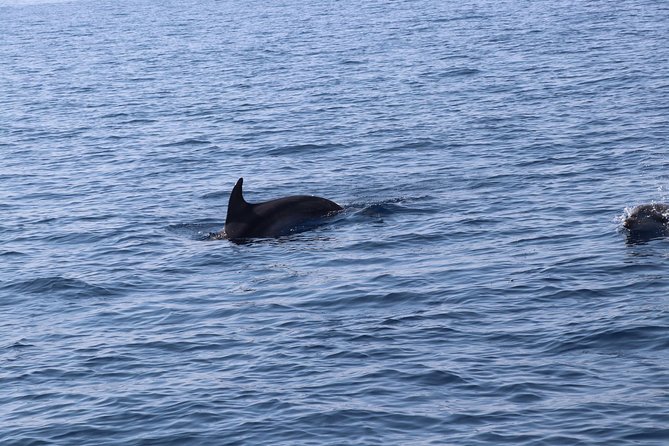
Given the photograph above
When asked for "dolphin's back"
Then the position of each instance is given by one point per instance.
(275, 217)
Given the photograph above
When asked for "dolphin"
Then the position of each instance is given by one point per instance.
(272, 218)
(648, 221)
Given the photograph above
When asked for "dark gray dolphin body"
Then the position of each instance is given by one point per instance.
(648, 221)
(272, 218)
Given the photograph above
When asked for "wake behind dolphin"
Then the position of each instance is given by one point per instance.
(272, 218)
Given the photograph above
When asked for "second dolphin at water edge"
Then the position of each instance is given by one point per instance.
(647, 221)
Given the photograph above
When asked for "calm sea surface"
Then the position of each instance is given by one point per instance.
(477, 290)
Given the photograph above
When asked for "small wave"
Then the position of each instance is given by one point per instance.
(207, 230)
(115, 115)
(216, 195)
(56, 285)
(454, 72)
(525, 398)
(102, 361)
(353, 62)
(296, 149)
(188, 142)
(419, 144)
(380, 210)
(434, 378)
(386, 209)
(139, 121)
(11, 253)
(457, 72)
(390, 299)
(616, 340)
(459, 18)
(18, 344)
(78, 237)
(46, 220)
(357, 417)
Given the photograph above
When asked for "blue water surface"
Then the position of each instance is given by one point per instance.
(477, 290)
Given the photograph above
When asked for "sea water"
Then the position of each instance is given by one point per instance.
(478, 288)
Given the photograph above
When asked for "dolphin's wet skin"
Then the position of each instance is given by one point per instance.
(272, 218)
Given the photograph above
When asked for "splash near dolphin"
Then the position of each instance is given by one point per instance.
(272, 218)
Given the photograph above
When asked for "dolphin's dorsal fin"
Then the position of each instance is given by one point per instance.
(237, 204)
(236, 196)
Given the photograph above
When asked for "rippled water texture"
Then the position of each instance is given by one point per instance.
(478, 288)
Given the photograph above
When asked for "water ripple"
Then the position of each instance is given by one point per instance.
(477, 289)
(56, 286)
